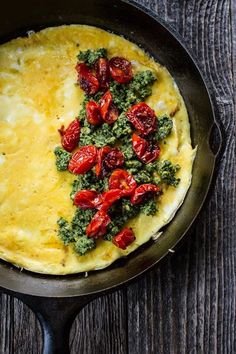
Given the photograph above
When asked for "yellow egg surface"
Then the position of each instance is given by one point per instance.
(37, 95)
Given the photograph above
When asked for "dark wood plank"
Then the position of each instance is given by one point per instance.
(20, 331)
(101, 327)
(187, 304)
(189, 301)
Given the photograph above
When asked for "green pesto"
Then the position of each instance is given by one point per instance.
(136, 91)
(65, 231)
(165, 126)
(75, 188)
(151, 167)
(149, 207)
(84, 244)
(62, 158)
(74, 232)
(80, 221)
(91, 56)
(89, 181)
(122, 127)
(127, 148)
(133, 166)
(167, 172)
(82, 112)
(143, 177)
(98, 136)
(119, 133)
(125, 211)
(112, 230)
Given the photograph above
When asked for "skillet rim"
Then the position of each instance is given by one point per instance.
(173, 33)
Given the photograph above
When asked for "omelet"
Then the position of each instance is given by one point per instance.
(37, 95)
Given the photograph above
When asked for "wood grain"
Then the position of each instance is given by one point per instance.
(188, 303)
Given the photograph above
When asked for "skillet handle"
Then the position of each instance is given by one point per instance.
(56, 316)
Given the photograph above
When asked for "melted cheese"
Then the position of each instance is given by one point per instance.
(37, 95)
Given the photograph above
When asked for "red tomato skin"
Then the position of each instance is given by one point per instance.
(93, 113)
(101, 154)
(114, 158)
(140, 191)
(124, 238)
(83, 160)
(108, 159)
(143, 118)
(70, 135)
(102, 72)
(105, 102)
(121, 179)
(121, 70)
(145, 151)
(86, 79)
(109, 111)
(109, 198)
(112, 115)
(86, 199)
(98, 225)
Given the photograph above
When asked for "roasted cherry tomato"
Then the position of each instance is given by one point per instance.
(83, 160)
(109, 111)
(146, 151)
(87, 80)
(114, 158)
(121, 179)
(143, 118)
(93, 113)
(124, 238)
(102, 72)
(142, 191)
(70, 135)
(87, 199)
(100, 157)
(121, 70)
(98, 225)
(109, 198)
(108, 159)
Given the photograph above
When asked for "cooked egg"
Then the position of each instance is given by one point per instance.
(38, 94)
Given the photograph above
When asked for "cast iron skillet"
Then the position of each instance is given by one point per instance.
(56, 300)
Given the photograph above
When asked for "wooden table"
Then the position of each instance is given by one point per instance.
(188, 303)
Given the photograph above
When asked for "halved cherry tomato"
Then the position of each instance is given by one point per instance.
(102, 72)
(141, 191)
(93, 113)
(109, 198)
(86, 199)
(143, 118)
(121, 70)
(98, 225)
(124, 238)
(109, 111)
(83, 160)
(108, 159)
(146, 151)
(87, 80)
(121, 179)
(70, 135)
(114, 158)
(105, 103)
(100, 157)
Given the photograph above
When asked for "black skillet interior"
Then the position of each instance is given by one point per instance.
(149, 33)
(134, 24)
